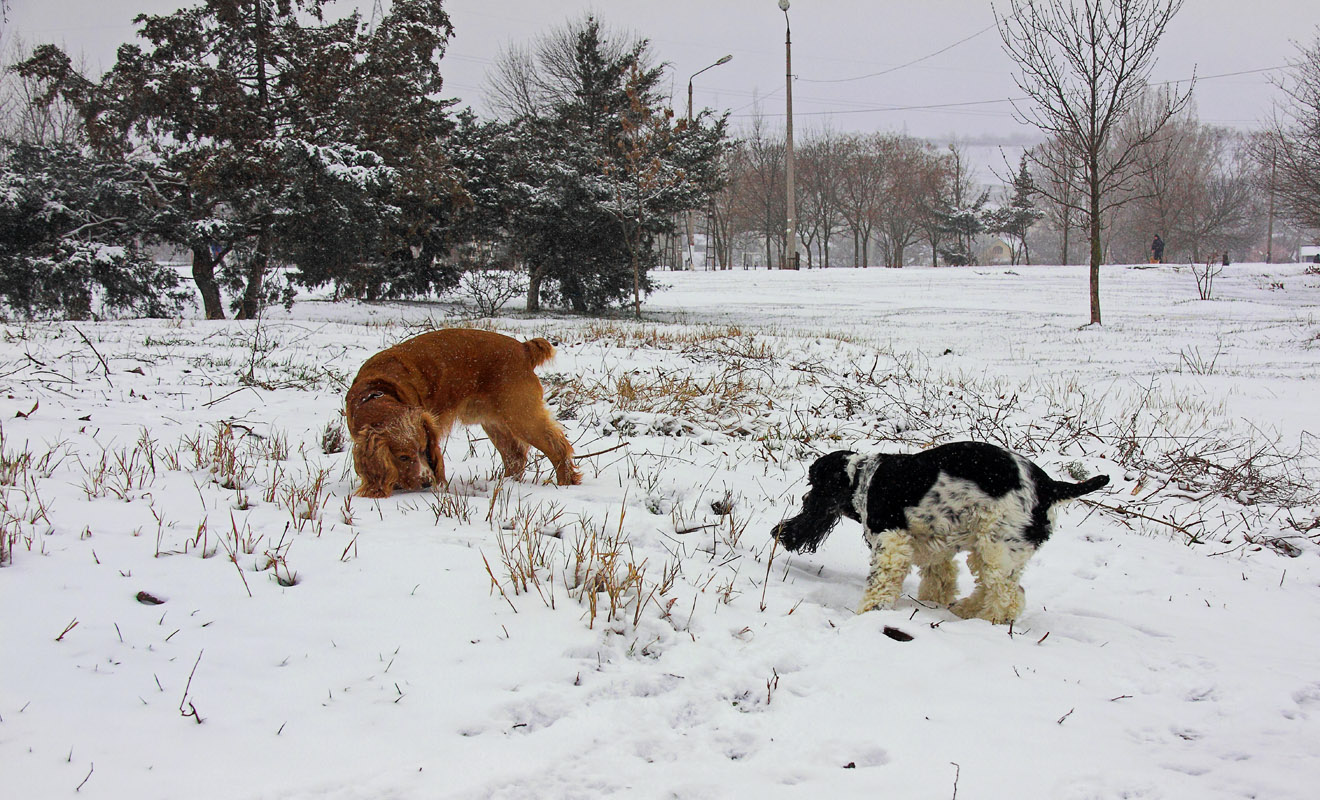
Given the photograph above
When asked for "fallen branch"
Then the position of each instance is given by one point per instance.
(227, 395)
(696, 528)
(104, 365)
(1126, 512)
(600, 452)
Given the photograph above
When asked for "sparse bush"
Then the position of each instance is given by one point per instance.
(1205, 279)
(491, 289)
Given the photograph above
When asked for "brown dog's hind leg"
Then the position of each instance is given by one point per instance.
(543, 433)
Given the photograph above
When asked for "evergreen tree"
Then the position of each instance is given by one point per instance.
(574, 250)
(1014, 220)
(655, 172)
(599, 167)
(954, 213)
(71, 233)
(392, 106)
(292, 138)
(962, 224)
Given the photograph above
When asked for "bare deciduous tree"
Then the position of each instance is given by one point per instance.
(819, 217)
(933, 189)
(530, 81)
(1193, 184)
(1083, 64)
(761, 203)
(25, 114)
(1166, 174)
(861, 186)
(1290, 149)
(898, 227)
(1058, 186)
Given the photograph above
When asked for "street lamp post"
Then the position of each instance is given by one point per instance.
(790, 246)
(691, 235)
(723, 60)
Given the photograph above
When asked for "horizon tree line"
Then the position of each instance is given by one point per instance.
(892, 200)
(262, 137)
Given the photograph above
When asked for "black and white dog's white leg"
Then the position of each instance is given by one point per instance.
(939, 579)
(891, 559)
(998, 568)
(970, 606)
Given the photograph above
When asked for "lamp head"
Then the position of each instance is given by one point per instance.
(783, 5)
(726, 59)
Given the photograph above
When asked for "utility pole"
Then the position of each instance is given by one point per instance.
(790, 246)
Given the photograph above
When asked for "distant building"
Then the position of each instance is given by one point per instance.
(996, 251)
(1309, 252)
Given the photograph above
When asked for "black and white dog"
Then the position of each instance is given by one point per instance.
(925, 507)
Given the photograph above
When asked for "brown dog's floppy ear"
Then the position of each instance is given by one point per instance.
(434, 447)
(374, 466)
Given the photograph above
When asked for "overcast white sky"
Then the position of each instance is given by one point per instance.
(835, 44)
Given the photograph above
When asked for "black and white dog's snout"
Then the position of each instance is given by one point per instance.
(830, 497)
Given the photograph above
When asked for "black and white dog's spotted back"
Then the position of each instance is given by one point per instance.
(925, 507)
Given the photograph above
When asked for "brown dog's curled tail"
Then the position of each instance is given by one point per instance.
(539, 351)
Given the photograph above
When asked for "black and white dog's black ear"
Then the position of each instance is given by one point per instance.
(829, 473)
(831, 491)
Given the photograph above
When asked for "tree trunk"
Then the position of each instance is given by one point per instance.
(1096, 253)
(1063, 256)
(533, 289)
(1269, 232)
(256, 278)
(637, 274)
(203, 272)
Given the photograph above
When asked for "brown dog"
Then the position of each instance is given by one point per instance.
(405, 399)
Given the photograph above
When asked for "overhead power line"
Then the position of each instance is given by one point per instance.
(937, 106)
(926, 57)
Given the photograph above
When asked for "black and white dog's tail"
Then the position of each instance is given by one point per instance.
(1061, 491)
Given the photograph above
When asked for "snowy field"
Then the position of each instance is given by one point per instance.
(195, 606)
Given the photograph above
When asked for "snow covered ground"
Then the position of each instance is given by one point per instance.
(194, 605)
